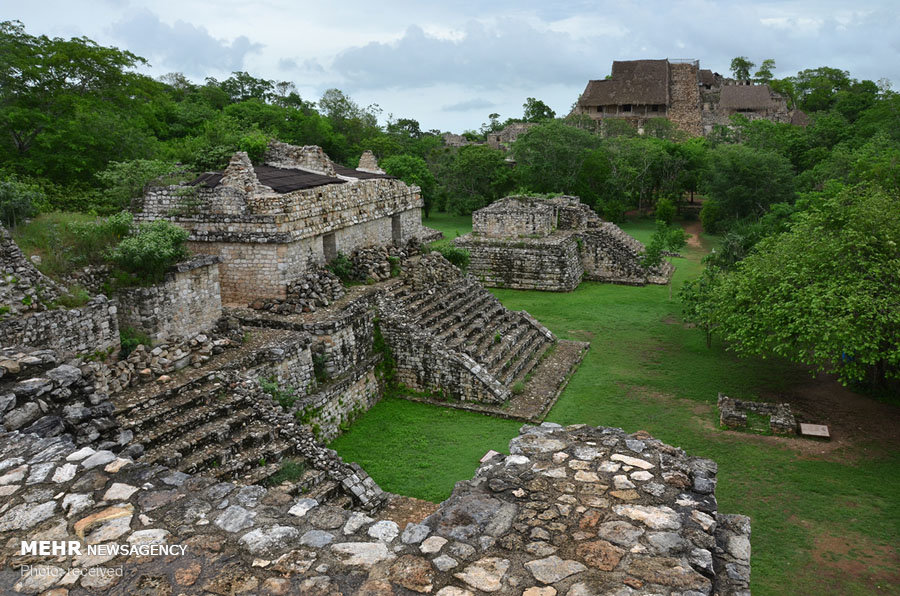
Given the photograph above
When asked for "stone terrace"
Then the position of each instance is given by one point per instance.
(572, 511)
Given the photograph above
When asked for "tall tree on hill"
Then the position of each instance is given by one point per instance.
(764, 74)
(537, 111)
(740, 68)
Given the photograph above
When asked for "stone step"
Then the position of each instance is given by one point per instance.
(260, 475)
(167, 405)
(244, 462)
(206, 408)
(530, 357)
(444, 305)
(480, 327)
(481, 310)
(459, 318)
(324, 491)
(216, 431)
(510, 340)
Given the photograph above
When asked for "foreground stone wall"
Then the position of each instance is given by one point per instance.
(186, 303)
(574, 511)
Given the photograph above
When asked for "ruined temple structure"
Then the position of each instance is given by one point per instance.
(531, 243)
(694, 99)
(273, 223)
(502, 139)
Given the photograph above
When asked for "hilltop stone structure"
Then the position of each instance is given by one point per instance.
(693, 99)
(553, 244)
(271, 224)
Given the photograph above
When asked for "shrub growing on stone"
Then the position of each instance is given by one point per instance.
(455, 255)
(342, 266)
(151, 251)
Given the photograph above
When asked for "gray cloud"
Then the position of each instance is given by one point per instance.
(511, 55)
(469, 105)
(182, 46)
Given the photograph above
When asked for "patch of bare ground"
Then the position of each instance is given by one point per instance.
(693, 230)
(866, 426)
(860, 426)
(849, 559)
(406, 510)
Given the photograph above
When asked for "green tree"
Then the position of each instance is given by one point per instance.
(549, 157)
(764, 74)
(413, 170)
(477, 176)
(537, 111)
(745, 181)
(824, 293)
(740, 68)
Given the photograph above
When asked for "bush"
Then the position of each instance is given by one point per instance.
(131, 338)
(342, 266)
(710, 216)
(455, 255)
(126, 180)
(254, 143)
(18, 201)
(150, 252)
(665, 211)
(613, 211)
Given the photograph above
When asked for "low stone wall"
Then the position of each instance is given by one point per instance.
(80, 331)
(335, 404)
(343, 341)
(551, 263)
(23, 288)
(733, 414)
(188, 302)
(571, 511)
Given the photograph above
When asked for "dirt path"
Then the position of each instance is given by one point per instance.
(693, 229)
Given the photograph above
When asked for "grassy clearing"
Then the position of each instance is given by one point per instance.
(645, 370)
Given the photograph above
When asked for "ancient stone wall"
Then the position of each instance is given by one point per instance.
(684, 97)
(186, 303)
(79, 331)
(551, 263)
(39, 395)
(308, 157)
(611, 255)
(513, 217)
(424, 363)
(23, 289)
(336, 403)
(733, 414)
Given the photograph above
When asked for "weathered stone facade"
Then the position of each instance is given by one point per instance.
(270, 236)
(88, 329)
(693, 99)
(186, 303)
(539, 244)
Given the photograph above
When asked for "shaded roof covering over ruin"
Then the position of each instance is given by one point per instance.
(284, 180)
(746, 97)
(708, 77)
(632, 82)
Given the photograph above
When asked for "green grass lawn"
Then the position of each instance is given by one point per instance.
(829, 526)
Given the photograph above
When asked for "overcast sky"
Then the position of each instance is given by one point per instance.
(450, 64)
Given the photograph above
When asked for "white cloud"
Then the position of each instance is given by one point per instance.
(181, 46)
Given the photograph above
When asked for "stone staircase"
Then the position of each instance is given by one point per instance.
(201, 426)
(464, 317)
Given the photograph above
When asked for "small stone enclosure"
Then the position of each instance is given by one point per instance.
(733, 414)
(532, 243)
